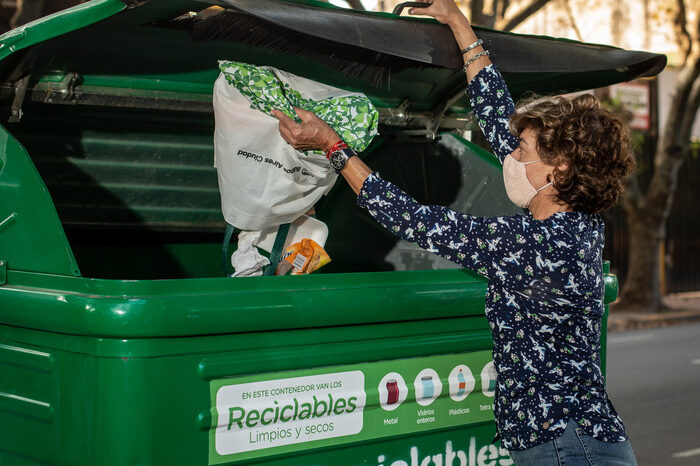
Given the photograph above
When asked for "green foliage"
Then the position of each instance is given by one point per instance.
(694, 148)
(353, 117)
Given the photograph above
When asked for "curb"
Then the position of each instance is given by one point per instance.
(630, 321)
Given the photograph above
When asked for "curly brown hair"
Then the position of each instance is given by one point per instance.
(590, 143)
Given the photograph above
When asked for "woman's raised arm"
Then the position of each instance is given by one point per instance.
(488, 94)
(448, 13)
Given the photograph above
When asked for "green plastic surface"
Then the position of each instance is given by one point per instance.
(31, 235)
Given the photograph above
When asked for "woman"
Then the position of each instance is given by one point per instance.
(564, 163)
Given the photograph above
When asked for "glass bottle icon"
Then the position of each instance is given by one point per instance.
(428, 387)
(392, 389)
(461, 383)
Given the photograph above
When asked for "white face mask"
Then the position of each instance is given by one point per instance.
(518, 187)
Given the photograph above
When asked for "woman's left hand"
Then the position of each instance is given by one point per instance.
(311, 133)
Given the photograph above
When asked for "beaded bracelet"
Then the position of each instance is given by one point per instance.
(472, 47)
(474, 58)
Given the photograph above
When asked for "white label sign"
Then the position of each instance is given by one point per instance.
(272, 413)
(634, 98)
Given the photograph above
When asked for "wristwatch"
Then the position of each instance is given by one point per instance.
(339, 155)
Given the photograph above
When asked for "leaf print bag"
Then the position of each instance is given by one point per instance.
(263, 180)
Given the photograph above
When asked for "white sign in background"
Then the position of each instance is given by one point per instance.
(634, 98)
(273, 425)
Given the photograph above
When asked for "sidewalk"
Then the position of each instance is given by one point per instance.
(683, 308)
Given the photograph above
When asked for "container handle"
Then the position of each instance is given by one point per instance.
(400, 7)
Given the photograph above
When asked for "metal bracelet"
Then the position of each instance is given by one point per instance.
(474, 58)
(472, 47)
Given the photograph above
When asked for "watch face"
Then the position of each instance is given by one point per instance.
(338, 159)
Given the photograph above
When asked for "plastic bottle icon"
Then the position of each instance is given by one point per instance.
(428, 387)
(461, 383)
(392, 389)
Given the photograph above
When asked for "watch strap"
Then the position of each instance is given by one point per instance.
(336, 147)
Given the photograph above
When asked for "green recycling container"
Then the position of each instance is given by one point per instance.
(122, 342)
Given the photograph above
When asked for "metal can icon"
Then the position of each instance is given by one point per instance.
(428, 387)
(392, 389)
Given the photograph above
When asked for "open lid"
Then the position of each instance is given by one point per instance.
(425, 41)
(147, 46)
(408, 64)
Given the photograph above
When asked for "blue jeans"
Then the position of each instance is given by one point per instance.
(574, 448)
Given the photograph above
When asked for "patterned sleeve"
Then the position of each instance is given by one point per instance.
(477, 243)
(492, 105)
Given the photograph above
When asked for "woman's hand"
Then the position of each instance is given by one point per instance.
(445, 11)
(312, 133)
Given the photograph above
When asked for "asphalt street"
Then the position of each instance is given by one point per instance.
(654, 383)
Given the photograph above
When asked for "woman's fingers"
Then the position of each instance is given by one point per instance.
(418, 10)
(285, 121)
(444, 11)
(312, 133)
(304, 114)
(287, 126)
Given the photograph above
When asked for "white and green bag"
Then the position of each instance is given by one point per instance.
(263, 180)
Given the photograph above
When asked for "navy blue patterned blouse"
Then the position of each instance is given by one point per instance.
(544, 299)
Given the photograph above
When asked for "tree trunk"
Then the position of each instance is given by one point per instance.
(647, 213)
(643, 282)
(523, 13)
(478, 15)
(356, 4)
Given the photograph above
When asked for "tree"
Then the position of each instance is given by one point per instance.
(501, 14)
(498, 14)
(648, 207)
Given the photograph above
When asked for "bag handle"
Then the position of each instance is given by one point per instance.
(225, 259)
(275, 254)
(277, 248)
